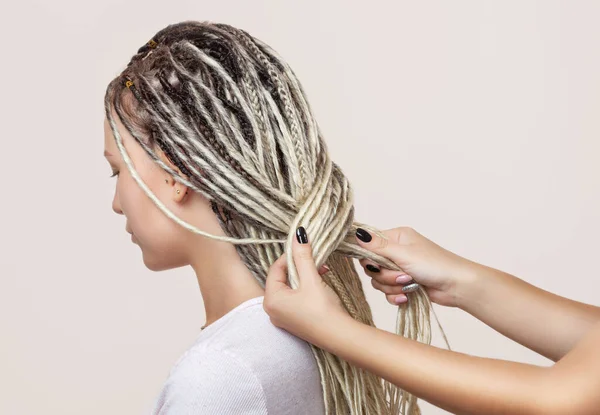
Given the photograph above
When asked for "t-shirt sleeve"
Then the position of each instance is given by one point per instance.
(211, 382)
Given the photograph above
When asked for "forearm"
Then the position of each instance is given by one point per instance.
(539, 320)
(456, 382)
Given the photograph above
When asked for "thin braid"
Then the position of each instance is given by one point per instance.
(233, 119)
(284, 95)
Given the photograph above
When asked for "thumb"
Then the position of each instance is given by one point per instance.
(303, 258)
(277, 276)
(387, 247)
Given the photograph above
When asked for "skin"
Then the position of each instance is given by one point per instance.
(564, 330)
(223, 278)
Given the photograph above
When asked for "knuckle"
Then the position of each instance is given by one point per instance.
(387, 277)
(382, 243)
(267, 306)
(304, 254)
(270, 307)
(390, 280)
(401, 233)
(409, 233)
(381, 280)
(375, 277)
(388, 289)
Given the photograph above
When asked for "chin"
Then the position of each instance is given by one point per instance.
(154, 265)
(159, 264)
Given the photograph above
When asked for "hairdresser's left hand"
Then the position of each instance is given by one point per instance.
(308, 310)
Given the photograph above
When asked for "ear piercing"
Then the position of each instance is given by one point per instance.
(178, 191)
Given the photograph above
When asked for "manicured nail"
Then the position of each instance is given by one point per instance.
(400, 299)
(326, 267)
(301, 235)
(363, 235)
(372, 268)
(403, 279)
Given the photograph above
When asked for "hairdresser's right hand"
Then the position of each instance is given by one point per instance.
(444, 275)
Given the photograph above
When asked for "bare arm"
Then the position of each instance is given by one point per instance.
(454, 381)
(539, 320)
(465, 384)
(544, 322)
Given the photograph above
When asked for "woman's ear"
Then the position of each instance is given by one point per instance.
(179, 190)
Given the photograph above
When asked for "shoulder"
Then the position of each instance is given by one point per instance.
(202, 383)
(263, 347)
(269, 369)
(284, 364)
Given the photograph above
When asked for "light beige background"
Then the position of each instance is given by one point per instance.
(475, 122)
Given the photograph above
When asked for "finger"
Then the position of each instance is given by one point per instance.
(323, 269)
(383, 275)
(387, 247)
(277, 276)
(387, 289)
(303, 257)
(390, 277)
(396, 299)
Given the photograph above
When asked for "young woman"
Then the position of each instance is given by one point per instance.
(566, 331)
(218, 160)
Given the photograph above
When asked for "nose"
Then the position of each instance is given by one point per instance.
(116, 205)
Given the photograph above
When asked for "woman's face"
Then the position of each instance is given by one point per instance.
(161, 240)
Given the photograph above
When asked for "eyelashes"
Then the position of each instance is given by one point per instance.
(116, 173)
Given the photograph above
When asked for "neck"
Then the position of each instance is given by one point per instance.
(225, 282)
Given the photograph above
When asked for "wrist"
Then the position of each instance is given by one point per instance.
(327, 331)
(469, 284)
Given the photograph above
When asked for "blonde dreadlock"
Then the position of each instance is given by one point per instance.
(230, 113)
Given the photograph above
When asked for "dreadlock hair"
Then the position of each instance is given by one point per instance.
(230, 113)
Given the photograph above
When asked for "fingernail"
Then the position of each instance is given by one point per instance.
(401, 299)
(301, 235)
(326, 267)
(372, 268)
(403, 279)
(363, 235)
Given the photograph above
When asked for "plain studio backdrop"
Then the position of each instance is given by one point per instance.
(475, 122)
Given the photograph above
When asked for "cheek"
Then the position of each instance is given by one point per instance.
(152, 228)
(159, 238)
(161, 243)
(134, 203)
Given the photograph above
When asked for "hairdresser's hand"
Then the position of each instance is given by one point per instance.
(307, 310)
(443, 274)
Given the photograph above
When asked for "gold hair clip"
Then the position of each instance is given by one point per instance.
(152, 43)
(129, 84)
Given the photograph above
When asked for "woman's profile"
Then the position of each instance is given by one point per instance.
(219, 160)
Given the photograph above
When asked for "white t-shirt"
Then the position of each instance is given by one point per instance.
(243, 364)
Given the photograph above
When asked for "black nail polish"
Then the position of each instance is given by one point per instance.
(301, 235)
(372, 268)
(363, 235)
